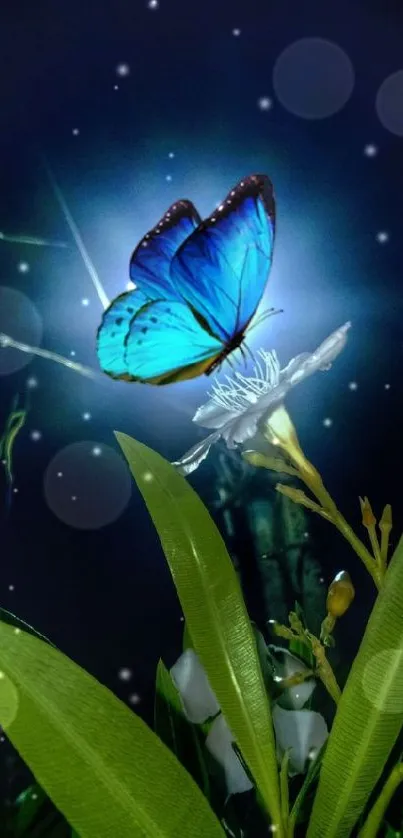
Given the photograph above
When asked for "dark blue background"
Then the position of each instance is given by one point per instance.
(105, 597)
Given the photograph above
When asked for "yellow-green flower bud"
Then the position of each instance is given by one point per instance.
(340, 594)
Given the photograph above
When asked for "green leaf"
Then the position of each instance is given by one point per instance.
(172, 727)
(12, 620)
(29, 803)
(102, 767)
(369, 716)
(214, 610)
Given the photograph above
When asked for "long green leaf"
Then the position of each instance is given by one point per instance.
(102, 767)
(214, 609)
(369, 716)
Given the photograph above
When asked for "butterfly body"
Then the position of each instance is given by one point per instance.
(198, 286)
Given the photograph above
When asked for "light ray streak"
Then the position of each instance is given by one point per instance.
(93, 274)
(8, 342)
(31, 240)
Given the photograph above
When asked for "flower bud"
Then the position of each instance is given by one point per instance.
(340, 594)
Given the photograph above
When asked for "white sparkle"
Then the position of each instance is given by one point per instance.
(36, 436)
(125, 674)
(134, 698)
(168, 178)
(23, 267)
(370, 150)
(153, 4)
(147, 477)
(130, 286)
(96, 451)
(236, 33)
(74, 497)
(75, 132)
(264, 103)
(382, 237)
(171, 155)
(32, 383)
(321, 580)
(387, 386)
(353, 385)
(72, 353)
(15, 490)
(60, 474)
(85, 301)
(11, 588)
(328, 422)
(2, 738)
(122, 70)
(86, 416)
(182, 619)
(116, 87)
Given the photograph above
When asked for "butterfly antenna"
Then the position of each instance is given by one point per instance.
(264, 316)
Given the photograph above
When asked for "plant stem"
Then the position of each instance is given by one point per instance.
(307, 472)
(375, 817)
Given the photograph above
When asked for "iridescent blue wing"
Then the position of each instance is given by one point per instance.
(166, 343)
(149, 270)
(150, 261)
(222, 268)
(114, 329)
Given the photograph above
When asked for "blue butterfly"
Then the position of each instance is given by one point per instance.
(198, 285)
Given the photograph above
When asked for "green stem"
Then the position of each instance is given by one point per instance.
(312, 479)
(376, 815)
(284, 793)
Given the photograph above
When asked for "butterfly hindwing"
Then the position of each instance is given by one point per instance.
(151, 259)
(114, 329)
(221, 269)
(166, 343)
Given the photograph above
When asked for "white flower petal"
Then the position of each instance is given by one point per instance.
(293, 367)
(192, 459)
(219, 743)
(301, 731)
(213, 415)
(287, 664)
(323, 357)
(198, 699)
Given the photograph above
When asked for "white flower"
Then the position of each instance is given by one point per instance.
(286, 665)
(302, 732)
(235, 409)
(219, 743)
(190, 679)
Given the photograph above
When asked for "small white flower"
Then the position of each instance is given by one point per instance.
(190, 679)
(286, 665)
(219, 743)
(302, 732)
(235, 409)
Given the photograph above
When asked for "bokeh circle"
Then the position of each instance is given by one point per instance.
(87, 485)
(313, 78)
(20, 320)
(386, 697)
(389, 103)
(9, 701)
